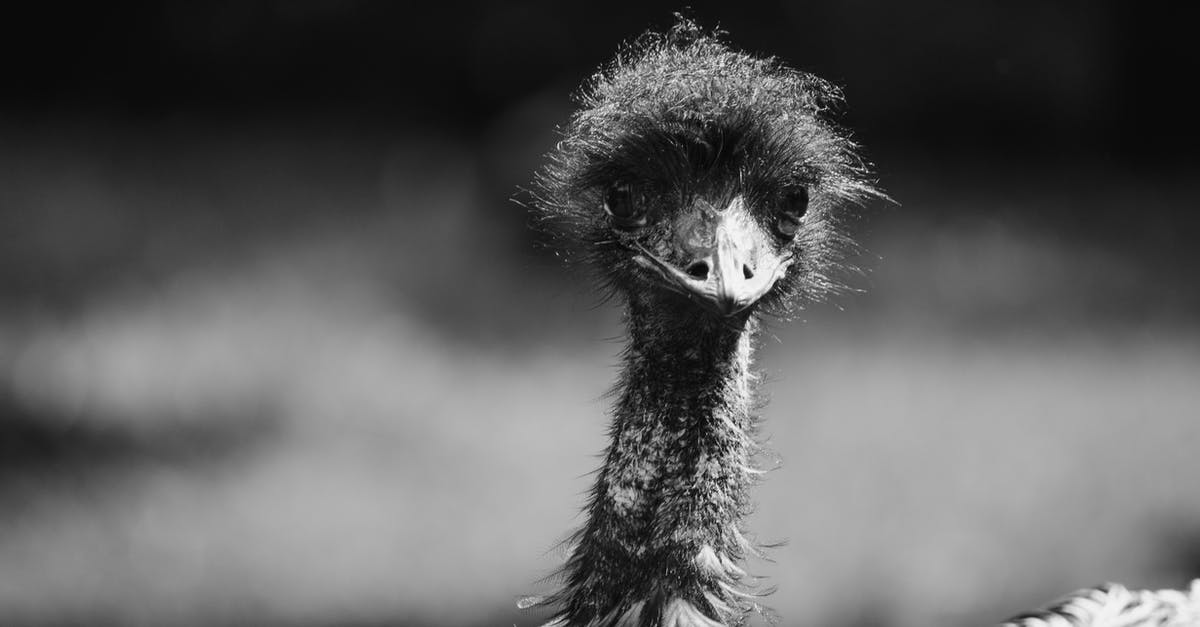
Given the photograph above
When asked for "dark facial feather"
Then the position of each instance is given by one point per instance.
(681, 115)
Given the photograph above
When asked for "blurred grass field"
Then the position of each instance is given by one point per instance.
(251, 379)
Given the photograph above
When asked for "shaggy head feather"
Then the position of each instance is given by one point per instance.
(681, 116)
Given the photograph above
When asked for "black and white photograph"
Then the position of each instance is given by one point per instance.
(357, 313)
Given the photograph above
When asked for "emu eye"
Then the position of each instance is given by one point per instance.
(622, 207)
(791, 210)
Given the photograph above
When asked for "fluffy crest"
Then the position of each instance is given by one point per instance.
(641, 116)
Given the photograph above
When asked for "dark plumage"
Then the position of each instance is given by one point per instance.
(705, 188)
(682, 115)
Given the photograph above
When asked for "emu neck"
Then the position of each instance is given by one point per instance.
(663, 540)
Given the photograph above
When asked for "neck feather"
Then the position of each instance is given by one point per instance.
(663, 541)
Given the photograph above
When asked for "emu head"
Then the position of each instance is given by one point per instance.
(705, 178)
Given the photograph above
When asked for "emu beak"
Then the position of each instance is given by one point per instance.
(728, 264)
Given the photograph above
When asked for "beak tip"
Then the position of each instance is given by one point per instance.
(728, 305)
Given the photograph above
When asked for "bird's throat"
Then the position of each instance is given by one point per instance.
(663, 541)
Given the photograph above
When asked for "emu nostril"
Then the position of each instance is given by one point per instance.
(747, 272)
(698, 270)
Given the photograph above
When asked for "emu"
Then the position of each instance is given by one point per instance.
(706, 189)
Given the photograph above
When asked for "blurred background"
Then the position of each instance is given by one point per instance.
(276, 347)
